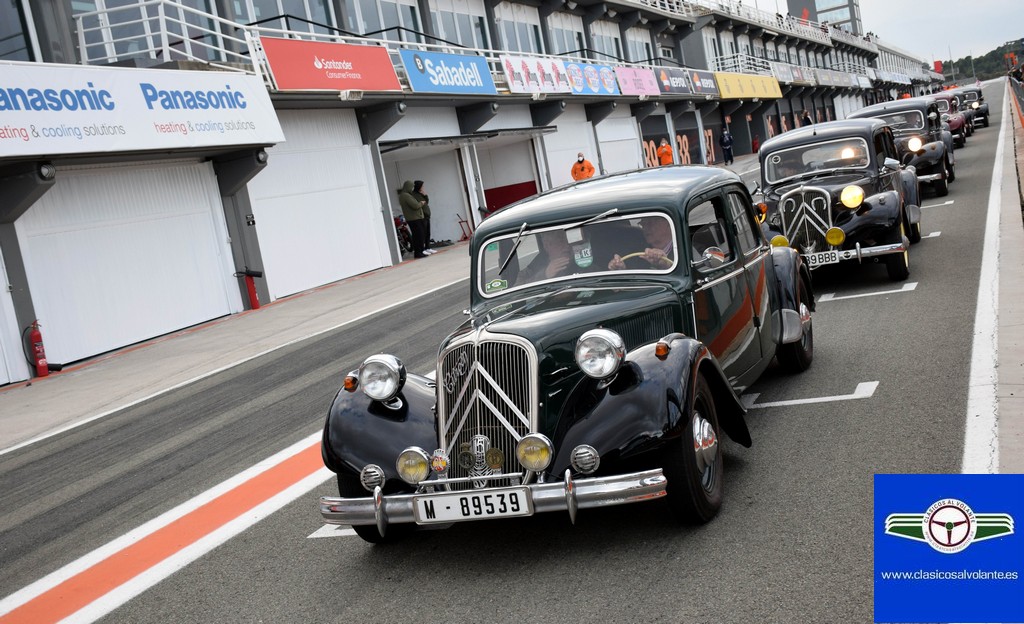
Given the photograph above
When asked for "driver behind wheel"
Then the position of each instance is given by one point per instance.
(661, 251)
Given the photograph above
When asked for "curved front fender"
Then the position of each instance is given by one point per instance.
(361, 431)
(642, 408)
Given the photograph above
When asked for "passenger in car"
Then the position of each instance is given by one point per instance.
(555, 258)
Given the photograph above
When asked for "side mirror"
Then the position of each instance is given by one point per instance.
(755, 189)
(891, 163)
(713, 258)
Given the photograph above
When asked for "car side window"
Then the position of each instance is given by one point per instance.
(739, 208)
(880, 148)
(706, 224)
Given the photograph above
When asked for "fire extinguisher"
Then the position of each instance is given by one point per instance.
(38, 359)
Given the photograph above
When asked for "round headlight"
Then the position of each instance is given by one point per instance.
(382, 376)
(914, 144)
(780, 241)
(413, 465)
(975, 105)
(835, 236)
(535, 452)
(852, 196)
(600, 352)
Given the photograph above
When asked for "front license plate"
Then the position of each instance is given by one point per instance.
(822, 257)
(459, 506)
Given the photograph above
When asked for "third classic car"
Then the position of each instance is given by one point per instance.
(836, 191)
(612, 326)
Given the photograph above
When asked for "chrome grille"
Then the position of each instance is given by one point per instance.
(806, 216)
(486, 388)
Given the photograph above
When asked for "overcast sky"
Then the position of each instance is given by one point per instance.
(932, 29)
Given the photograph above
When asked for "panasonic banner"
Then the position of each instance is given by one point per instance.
(48, 109)
(434, 72)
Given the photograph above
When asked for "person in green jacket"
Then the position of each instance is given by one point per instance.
(420, 194)
(412, 210)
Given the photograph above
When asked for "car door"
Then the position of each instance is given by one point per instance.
(755, 253)
(722, 311)
(888, 179)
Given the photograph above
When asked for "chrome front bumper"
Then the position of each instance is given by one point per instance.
(566, 495)
(932, 177)
(859, 253)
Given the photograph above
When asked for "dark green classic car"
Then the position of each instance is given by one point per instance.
(612, 326)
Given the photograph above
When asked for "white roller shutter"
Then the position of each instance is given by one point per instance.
(317, 209)
(116, 255)
(575, 134)
(620, 142)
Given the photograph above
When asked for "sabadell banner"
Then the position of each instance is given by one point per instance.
(48, 109)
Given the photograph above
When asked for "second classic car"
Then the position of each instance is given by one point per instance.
(836, 191)
(921, 140)
(949, 109)
(612, 326)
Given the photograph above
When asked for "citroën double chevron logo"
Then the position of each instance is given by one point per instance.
(949, 525)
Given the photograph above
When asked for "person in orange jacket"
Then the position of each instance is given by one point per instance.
(664, 153)
(582, 169)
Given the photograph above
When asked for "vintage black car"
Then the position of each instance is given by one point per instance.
(975, 99)
(837, 191)
(921, 141)
(949, 108)
(612, 326)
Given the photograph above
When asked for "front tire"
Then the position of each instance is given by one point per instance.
(349, 487)
(693, 462)
(898, 265)
(796, 357)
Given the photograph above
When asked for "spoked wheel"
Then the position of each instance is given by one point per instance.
(693, 463)
(796, 357)
(349, 487)
(898, 265)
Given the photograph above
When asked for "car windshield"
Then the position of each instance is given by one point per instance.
(807, 159)
(904, 120)
(970, 96)
(943, 105)
(640, 243)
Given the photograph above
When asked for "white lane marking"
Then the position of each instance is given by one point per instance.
(864, 390)
(909, 286)
(221, 369)
(932, 235)
(981, 433)
(945, 203)
(743, 173)
(331, 530)
(179, 560)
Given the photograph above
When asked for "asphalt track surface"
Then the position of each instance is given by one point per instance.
(793, 542)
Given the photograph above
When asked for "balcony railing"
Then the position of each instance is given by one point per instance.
(851, 68)
(675, 7)
(742, 64)
(838, 34)
(774, 21)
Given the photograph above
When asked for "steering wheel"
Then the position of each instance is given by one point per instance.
(632, 255)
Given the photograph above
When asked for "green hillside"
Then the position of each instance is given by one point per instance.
(989, 65)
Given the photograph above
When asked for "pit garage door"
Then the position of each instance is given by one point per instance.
(317, 209)
(620, 142)
(116, 255)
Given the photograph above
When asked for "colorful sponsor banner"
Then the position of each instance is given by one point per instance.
(637, 81)
(48, 109)
(736, 86)
(948, 548)
(823, 76)
(298, 65)
(803, 75)
(673, 80)
(588, 79)
(433, 72)
(535, 74)
(703, 82)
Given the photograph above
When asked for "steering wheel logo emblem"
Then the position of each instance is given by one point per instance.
(949, 526)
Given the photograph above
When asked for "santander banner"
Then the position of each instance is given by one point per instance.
(321, 66)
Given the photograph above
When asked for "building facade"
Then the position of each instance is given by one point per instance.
(148, 219)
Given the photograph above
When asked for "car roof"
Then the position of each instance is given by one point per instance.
(894, 106)
(816, 133)
(633, 190)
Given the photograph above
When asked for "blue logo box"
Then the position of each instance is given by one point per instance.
(434, 72)
(947, 548)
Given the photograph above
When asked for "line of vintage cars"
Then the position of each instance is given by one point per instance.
(613, 325)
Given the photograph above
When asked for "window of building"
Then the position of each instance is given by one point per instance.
(606, 40)
(638, 40)
(14, 41)
(566, 33)
(460, 21)
(520, 27)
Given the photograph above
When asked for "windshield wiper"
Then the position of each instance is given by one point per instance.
(515, 246)
(604, 215)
